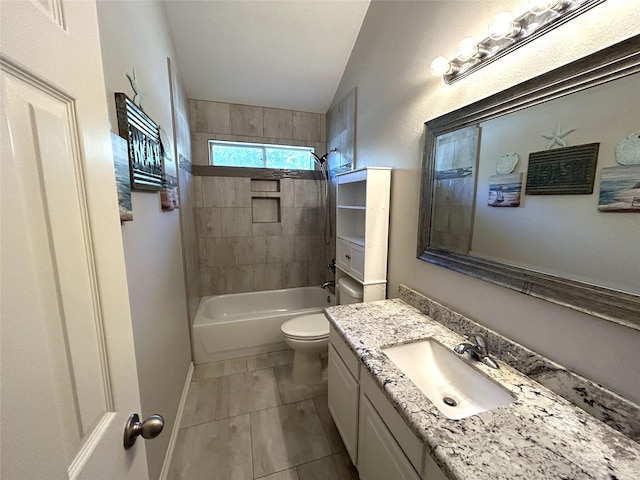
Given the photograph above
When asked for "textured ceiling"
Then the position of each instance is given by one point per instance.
(279, 54)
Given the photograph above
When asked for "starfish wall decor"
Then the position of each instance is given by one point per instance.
(137, 92)
(556, 137)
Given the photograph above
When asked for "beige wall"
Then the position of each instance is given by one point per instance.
(136, 34)
(396, 95)
(239, 251)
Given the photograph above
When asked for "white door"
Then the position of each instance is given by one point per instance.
(68, 378)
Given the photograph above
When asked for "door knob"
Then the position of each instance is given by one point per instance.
(149, 428)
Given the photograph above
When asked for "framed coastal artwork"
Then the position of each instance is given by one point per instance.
(123, 181)
(620, 189)
(504, 190)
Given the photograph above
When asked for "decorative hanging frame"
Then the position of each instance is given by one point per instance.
(146, 165)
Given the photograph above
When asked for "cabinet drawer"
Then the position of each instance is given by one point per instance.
(348, 357)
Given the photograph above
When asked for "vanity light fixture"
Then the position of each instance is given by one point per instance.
(506, 33)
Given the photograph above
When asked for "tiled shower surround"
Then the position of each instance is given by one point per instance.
(259, 234)
(248, 123)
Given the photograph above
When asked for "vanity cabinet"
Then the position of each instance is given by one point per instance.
(362, 228)
(379, 442)
(344, 392)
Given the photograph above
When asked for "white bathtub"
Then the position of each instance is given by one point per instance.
(240, 324)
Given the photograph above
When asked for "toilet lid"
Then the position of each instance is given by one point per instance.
(307, 327)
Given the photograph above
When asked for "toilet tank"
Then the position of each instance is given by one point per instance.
(349, 291)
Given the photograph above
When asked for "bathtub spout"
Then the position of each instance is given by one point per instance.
(330, 283)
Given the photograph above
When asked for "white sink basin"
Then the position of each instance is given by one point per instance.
(446, 379)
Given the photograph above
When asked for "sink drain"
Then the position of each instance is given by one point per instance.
(450, 401)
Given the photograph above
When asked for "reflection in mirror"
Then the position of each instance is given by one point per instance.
(557, 247)
(454, 189)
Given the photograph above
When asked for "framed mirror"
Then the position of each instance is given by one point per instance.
(517, 247)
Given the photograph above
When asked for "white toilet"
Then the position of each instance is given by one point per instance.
(308, 335)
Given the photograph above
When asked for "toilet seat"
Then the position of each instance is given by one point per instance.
(307, 327)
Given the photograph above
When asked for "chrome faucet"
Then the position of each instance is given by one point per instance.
(477, 348)
(330, 283)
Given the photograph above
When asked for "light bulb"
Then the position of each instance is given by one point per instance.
(440, 66)
(503, 26)
(540, 6)
(467, 48)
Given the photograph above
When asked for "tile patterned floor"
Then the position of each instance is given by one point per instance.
(245, 419)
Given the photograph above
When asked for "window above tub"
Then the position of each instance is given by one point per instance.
(260, 155)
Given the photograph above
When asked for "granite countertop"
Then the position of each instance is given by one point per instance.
(539, 436)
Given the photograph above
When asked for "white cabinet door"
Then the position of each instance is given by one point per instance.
(343, 402)
(379, 456)
(343, 254)
(69, 378)
(357, 260)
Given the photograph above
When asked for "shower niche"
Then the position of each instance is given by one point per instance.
(265, 201)
(362, 228)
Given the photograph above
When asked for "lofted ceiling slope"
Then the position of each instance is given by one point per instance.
(280, 54)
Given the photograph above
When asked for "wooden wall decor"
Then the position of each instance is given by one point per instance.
(146, 166)
(562, 171)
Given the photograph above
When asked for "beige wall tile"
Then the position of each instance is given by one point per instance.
(197, 191)
(236, 222)
(307, 126)
(200, 148)
(246, 120)
(294, 274)
(202, 252)
(278, 123)
(218, 192)
(193, 114)
(288, 221)
(212, 281)
(237, 278)
(208, 222)
(317, 271)
(267, 276)
(244, 251)
(220, 252)
(307, 193)
(302, 249)
(243, 192)
(279, 249)
(213, 117)
(265, 210)
(309, 221)
(268, 229)
(287, 192)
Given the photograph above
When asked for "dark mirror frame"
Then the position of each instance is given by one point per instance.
(617, 61)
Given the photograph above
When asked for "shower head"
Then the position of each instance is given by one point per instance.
(323, 158)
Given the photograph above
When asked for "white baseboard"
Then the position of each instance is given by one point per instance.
(176, 426)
